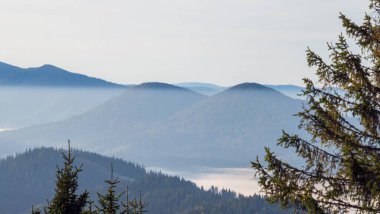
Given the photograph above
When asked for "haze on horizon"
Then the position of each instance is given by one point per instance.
(218, 41)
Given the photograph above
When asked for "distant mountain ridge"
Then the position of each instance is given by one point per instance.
(211, 89)
(292, 91)
(48, 75)
(144, 103)
(172, 126)
(202, 88)
(240, 120)
(160, 86)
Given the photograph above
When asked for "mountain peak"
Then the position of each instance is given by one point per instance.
(159, 86)
(50, 69)
(48, 75)
(50, 66)
(250, 86)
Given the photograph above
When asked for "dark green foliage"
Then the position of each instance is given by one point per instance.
(167, 194)
(32, 176)
(28, 179)
(109, 203)
(66, 200)
(342, 158)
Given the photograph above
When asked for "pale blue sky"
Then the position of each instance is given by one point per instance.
(219, 41)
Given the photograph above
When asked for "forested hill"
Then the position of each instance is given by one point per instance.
(28, 179)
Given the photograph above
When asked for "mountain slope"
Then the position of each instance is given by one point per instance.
(166, 126)
(122, 122)
(247, 105)
(148, 102)
(47, 75)
(28, 179)
(241, 120)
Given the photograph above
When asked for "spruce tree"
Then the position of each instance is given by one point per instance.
(341, 170)
(66, 200)
(109, 203)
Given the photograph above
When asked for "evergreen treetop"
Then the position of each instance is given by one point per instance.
(110, 202)
(66, 200)
(342, 158)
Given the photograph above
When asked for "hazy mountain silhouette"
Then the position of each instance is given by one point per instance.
(125, 118)
(292, 91)
(47, 75)
(26, 106)
(246, 106)
(47, 94)
(28, 179)
(212, 89)
(141, 104)
(241, 120)
(163, 125)
(202, 88)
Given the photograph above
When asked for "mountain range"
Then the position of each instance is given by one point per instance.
(167, 126)
(182, 129)
(32, 96)
(50, 75)
(208, 89)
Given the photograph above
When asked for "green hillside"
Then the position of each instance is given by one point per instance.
(28, 179)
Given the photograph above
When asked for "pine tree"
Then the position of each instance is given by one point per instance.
(342, 157)
(66, 200)
(109, 203)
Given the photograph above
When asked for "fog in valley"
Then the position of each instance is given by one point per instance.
(27, 106)
(189, 107)
(207, 138)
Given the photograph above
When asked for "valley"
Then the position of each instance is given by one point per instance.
(205, 133)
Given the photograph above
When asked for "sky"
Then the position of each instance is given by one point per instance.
(225, 42)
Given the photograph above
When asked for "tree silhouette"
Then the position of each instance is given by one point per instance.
(110, 202)
(341, 171)
(66, 200)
